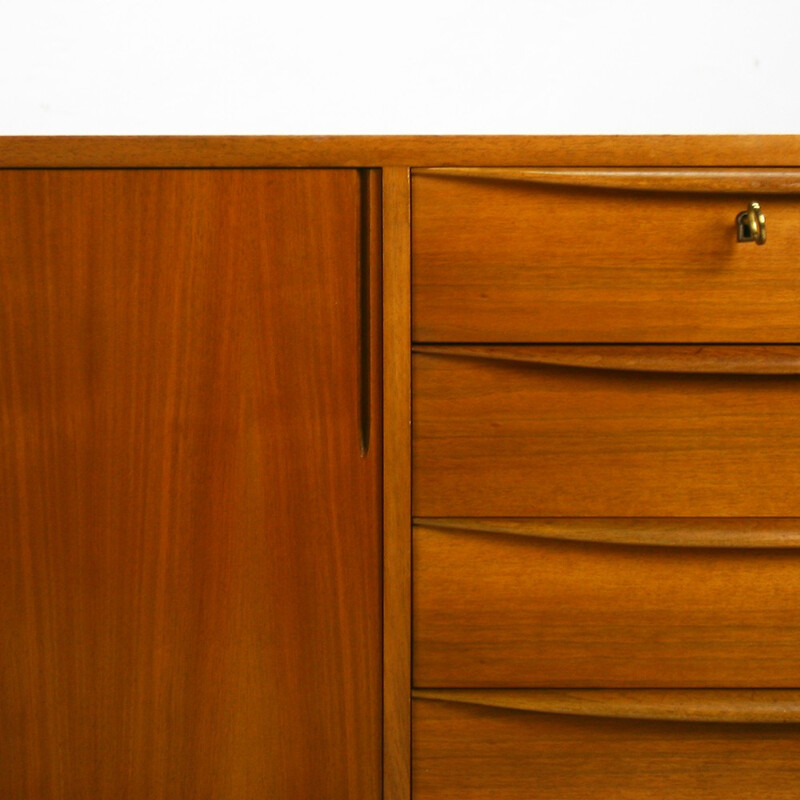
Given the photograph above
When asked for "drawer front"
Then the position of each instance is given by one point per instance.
(610, 256)
(511, 750)
(606, 431)
(568, 602)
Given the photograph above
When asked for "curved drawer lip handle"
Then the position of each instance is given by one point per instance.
(731, 533)
(694, 181)
(737, 706)
(656, 358)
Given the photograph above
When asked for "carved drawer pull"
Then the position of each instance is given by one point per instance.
(767, 706)
(772, 533)
(683, 359)
(700, 181)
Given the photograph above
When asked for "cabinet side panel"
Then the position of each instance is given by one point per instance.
(189, 534)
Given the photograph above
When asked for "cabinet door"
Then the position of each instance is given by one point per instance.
(189, 529)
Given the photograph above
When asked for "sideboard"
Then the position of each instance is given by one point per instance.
(445, 468)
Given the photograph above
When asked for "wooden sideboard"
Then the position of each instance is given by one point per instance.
(432, 467)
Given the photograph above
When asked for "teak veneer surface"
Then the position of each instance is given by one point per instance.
(505, 610)
(496, 437)
(563, 259)
(397, 485)
(399, 151)
(186, 616)
(465, 751)
(189, 534)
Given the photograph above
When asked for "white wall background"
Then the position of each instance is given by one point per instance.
(413, 66)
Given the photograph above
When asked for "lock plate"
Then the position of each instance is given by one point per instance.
(751, 226)
(744, 232)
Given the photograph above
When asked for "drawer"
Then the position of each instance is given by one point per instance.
(607, 603)
(606, 430)
(603, 256)
(627, 746)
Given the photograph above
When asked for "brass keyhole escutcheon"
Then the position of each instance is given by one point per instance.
(751, 226)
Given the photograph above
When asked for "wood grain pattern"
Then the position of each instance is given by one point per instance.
(724, 532)
(397, 485)
(500, 610)
(736, 706)
(511, 261)
(189, 535)
(771, 181)
(468, 752)
(499, 438)
(398, 151)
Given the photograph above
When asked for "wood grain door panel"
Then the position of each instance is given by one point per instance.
(606, 431)
(544, 255)
(189, 534)
(505, 603)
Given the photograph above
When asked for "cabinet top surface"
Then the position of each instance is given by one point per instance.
(399, 151)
